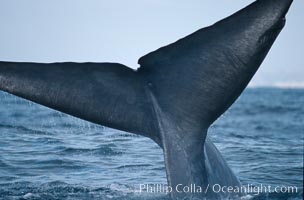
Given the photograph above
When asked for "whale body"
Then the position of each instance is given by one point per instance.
(176, 94)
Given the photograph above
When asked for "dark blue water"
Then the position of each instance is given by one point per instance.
(45, 154)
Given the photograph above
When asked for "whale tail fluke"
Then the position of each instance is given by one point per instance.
(105, 93)
(202, 74)
(196, 79)
(178, 91)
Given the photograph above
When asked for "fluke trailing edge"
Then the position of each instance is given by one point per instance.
(176, 94)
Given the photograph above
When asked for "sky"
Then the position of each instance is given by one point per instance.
(123, 31)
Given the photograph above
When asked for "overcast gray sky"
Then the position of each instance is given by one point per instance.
(122, 31)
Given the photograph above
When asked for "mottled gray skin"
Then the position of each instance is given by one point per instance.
(173, 98)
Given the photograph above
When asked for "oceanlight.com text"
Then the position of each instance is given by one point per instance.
(252, 189)
(217, 188)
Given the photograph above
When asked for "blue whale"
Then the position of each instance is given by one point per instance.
(176, 94)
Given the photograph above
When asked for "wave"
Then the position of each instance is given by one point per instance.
(61, 190)
(104, 150)
(283, 85)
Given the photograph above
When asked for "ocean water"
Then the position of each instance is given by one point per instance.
(47, 155)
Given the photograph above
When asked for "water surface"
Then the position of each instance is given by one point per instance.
(45, 154)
